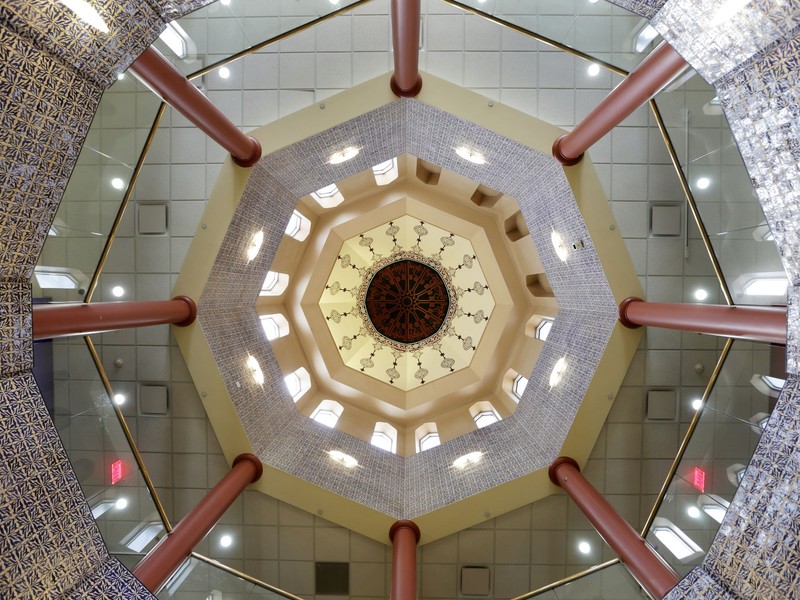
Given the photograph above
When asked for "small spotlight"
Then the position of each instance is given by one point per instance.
(700, 294)
(703, 183)
(225, 541)
(119, 399)
(225, 2)
(693, 512)
(224, 72)
(593, 70)
(338, 158)
(471, 155)
(117, 183)
(121, 504)
(697, 404)
(120, 76)
(118, 291)
(584, 548)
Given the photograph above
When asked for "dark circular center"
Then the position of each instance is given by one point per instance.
(407, 301)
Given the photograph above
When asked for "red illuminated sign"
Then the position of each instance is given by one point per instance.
(699, 479)
(116, 471)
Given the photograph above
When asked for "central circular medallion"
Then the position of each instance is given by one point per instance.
(407, 301)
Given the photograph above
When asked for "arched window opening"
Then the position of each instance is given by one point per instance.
(484, 414)
(298, 383)
(427, 437)
(384, 437)
(328, 196)
(274, 284)
(328, 413)
(275, 326)
(518, 387)
(298, 227)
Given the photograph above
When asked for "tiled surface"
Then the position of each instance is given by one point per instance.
(644, 8)
(16, 345)
(530, 439)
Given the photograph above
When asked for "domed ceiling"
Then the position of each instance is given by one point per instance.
(410, 301)
(407, 302)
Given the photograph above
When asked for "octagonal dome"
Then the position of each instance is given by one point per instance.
(258, 414)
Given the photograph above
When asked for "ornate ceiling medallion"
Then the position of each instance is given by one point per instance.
(407, 302)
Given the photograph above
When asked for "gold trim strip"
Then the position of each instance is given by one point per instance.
(692, 204)
(112, 234)
(245, 576)
(539, 37)
(128, 436)
(687, 438)
(272, 40)
(568, 579)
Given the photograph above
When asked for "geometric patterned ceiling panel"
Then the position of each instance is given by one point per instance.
(407, 302)
(525, 442)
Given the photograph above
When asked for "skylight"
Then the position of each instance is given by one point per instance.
(328, 196)
(328, 413)
(275, 326)
(274, 284)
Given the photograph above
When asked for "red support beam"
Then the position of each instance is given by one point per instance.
(644, 563)
(159, 564)
(61, 320)
(756, 323)
(165, 80)
(660, 67)
(404, 536)
(406, 80)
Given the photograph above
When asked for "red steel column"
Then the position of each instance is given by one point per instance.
(660, 67)
(406, 81)
(649, 569)
(159, 564)
(78, 318)
(177, 91)
(404, 536)
(757, 323)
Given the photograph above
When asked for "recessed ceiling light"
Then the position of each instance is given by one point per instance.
(697, 404)
(703, 183)
(344, 459)
(119, 399)
(700, 294)
(120, 76)
(560, 247)
(225, 2)
(118, 291)
(584, 548)
(86, 13)
(558, 371)
(592, 1)
(255, 244)
(462, 462)
(344, 155)
(255, 369)
(121, 504)
(471, 155)
(766, 286)
(593, 70)
(225, 541)
(117, 183)
(224, 72)
(693, 512)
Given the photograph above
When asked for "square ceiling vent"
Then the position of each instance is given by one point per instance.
(475, 581)
(332, 579)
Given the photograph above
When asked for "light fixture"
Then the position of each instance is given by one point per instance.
(693, 512)
(225, 541)
(700, 294)
(255, 369)
(225, 2)
(342, 458)
(593, 70)
(120, 76)
(462, 462)
(644, 38)
(343, 155)
(255, 244)
(472, 156)
(703, 183)
(117, 183)
(697, 404)
(121, 504)
(766, 286)
(675, 540)
(86, 13)
(584, 548)
(118, 291)
(558, 244)
(558, 371)
(119, 399)
(176, 39)
(224, 72)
